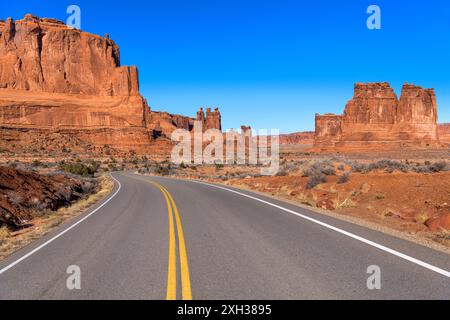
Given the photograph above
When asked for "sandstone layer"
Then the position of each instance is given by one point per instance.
(444, 132)
(375, 117)
(297, 138)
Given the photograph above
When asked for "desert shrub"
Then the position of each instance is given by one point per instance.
(344, 178)
(89, 187)
(162, 170)
(182, 165)
(438, 166)
(341, 167)
(357, 167)
(79, 168)
(282, 173)
(316, 179)
(324, 167)
(37, 163)
(386, 165)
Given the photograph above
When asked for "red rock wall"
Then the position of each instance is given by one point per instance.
(304, 138)
(45, 55)
(64, 80)
(374, 117)
(213, 119)
(444, 132)
(328, 129)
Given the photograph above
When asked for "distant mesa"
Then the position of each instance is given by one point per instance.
(376, 118)
(59, 80)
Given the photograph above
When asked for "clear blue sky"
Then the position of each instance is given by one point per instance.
(269, 64)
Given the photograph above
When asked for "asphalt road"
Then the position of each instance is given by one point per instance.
(157, 238)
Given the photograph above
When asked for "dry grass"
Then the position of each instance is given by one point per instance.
(443, 238)
(12, 241)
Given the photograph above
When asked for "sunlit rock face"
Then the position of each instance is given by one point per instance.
(67, 81)
(375, 117)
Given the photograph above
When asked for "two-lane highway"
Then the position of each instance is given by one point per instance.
(158, 238)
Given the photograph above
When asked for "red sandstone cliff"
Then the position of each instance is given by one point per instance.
(59, 80)
(444, 132)
(46, 55)
(376, 117)
(305, 138)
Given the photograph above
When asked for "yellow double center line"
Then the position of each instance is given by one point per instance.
(172, 209)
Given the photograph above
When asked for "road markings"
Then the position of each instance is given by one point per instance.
(61, 233)
(349, 234)
(185, 277)
(172, 267)
(186, 291)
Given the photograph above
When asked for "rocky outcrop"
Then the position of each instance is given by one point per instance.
(61, 80)
(328, 130)
(444, 132)
(375, 117)
(212, 120)
(166, 123)
(47, 56)
(297, 138)
(25, 194)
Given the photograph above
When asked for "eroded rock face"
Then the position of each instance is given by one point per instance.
(444, 132)
(166, 123)
(304, 138)
(375, 117)
(213, 119)
(26, 194)
(65, 81)
(45, 55)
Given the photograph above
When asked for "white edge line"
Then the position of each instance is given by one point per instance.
(349, 234)
(61, 233)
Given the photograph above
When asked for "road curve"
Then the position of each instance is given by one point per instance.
(159, 238)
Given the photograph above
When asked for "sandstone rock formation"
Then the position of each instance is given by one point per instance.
(212, 120)
(297, 138)
(375, 117)
(58, 80)
(165, 123)
(25, 194)
(45, 55)
(67, 81)
(444, 132)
